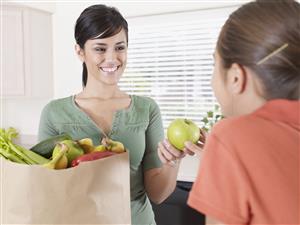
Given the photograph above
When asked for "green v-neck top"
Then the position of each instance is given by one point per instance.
(138, 127)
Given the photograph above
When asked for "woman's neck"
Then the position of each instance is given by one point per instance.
(103, 92)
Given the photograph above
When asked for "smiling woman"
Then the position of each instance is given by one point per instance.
(101, 109)
(105, 58)
(108, 38)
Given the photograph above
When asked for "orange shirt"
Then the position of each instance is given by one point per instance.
(249, 172)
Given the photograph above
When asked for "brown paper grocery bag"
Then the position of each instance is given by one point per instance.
(95, 192)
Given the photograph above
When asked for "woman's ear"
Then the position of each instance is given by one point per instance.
(79, 52)
(236, 79)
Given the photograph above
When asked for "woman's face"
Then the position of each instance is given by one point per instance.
(218, 83)
(106, 58)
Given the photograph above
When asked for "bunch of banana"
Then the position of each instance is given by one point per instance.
(106, 145)
(63, 154)
(69, 153)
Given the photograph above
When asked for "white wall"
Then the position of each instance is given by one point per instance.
(24, 114)
(46, 6)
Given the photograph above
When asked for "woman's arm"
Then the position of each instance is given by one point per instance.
(160, 182)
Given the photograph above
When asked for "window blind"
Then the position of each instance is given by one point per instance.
(170, 60)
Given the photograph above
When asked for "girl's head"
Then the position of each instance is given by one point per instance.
(262, 38)
(101, 34)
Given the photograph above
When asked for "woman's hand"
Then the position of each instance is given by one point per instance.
(169, 154)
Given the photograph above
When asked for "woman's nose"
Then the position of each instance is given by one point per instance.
(110, 56)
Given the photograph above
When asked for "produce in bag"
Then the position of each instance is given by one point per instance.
(100, 186)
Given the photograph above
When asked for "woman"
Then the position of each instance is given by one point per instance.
(102, 109)
(249, 172)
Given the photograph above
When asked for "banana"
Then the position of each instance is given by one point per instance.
(100, 148)
(63, 148)
(86, 144)
(114, 146)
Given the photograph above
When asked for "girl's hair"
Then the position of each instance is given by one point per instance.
(265, 36)
(96, 22)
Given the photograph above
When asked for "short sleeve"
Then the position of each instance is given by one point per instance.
(220, 190)
(46, 126)
(154, 134)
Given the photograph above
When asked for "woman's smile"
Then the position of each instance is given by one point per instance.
(110, 69)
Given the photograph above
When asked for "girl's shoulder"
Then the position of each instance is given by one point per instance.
(233, 126)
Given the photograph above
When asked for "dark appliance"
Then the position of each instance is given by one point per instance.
(175, 211)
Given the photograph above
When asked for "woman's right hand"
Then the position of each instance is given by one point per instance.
(191, 148)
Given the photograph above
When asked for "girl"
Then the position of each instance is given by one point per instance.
(249, 173)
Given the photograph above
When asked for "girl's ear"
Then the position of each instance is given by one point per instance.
(236, 79)
(79, 52)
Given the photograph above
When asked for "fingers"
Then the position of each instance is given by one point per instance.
(200, 144)
(191, 148)
(161, 156)
(202, 136)
(188, 152)
(167, 153)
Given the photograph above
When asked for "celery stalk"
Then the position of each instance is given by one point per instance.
(11, 157)
(38, 159)
(15, 152)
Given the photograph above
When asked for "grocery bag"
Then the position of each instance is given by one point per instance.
(95, 192)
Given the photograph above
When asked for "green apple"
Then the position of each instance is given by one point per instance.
(182, 130)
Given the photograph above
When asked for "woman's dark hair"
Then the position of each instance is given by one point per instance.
(95, 22)
(265, 36)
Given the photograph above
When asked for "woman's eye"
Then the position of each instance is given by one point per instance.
(100, 49)
(120, 48)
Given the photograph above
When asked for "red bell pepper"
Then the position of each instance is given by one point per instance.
(91, 156)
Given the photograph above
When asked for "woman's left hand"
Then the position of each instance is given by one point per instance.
(168, 154)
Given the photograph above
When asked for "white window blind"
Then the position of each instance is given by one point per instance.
(170, 60)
